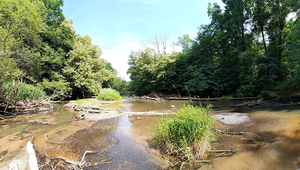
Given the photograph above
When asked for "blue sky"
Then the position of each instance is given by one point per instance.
(119, 26)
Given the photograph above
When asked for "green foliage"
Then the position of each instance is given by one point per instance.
(293, 55)
(186, 134)
(264, 94)
(246, 91)
(84, 68)
(185, 42)
(19, 20)
(120, 85)
(38, 44)
(25, 91)
(150, 71)
(109, 95)
(284, 89)
(57, 88)
(246, 48)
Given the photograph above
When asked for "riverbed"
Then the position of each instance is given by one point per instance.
(271, 140)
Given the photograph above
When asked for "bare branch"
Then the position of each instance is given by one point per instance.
(164, 39)
(155, 41)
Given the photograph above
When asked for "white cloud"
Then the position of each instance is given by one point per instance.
(118, 54)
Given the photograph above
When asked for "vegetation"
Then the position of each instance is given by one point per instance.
(81, 101)
(185, 135)
(39, 46)
(109, 95)
(24, 92)
(248, 48)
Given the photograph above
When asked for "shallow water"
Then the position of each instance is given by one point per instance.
(121, 143)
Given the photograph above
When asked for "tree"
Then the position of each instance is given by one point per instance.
(85, 70)
(293, 55)
(185, 42)
(19, 20)
(54, 14)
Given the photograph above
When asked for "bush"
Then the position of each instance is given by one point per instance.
(246, 91)
(109, 95)
(264, 94)
(185, 135)
(25, 91)
(284, 89)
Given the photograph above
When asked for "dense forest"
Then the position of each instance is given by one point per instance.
(250, 48)
(39, 46)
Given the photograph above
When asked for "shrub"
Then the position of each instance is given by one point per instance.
(246, 91)
(264, 94)
(185, 135)
(109, 95)
(284, 89)
(25, 91)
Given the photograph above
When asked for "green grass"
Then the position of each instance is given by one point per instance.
(186, 135)
(109, 95)
(81, 101)
(25, 91)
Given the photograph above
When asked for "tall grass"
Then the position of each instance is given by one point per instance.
(25, 91)
(109, 95)
(185, 135)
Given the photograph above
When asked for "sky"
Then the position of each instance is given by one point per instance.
(121, 26)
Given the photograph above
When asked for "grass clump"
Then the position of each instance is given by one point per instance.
(185, 136)
(109, 95)
(23, 92)
(81, 101)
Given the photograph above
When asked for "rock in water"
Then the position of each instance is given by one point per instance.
(230, 118)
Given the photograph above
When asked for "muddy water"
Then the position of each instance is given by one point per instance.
(270, 141)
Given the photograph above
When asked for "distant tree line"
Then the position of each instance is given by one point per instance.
(39, 46)
(247, 49)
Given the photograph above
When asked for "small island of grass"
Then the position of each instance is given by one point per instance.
(185, 136)
(109, 95)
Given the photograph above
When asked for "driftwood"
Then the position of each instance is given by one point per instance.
(10, 108)
(251, 103)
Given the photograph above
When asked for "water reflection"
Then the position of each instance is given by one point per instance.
(128, 153)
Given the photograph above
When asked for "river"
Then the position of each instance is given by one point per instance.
(270, 141)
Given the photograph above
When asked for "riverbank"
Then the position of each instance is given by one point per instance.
(273, 129)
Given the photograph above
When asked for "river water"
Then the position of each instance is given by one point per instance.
(270, 141)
